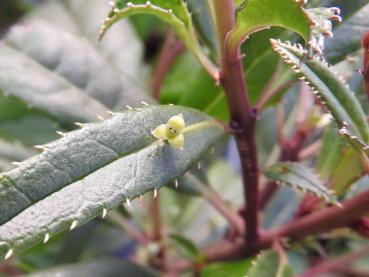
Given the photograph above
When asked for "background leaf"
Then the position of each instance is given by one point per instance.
(299, 177)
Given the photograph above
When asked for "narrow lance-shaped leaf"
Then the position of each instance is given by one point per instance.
(256, 15)
(299, 177)
(174, 12)
(331, 89)
(41, 89)
(94, 169)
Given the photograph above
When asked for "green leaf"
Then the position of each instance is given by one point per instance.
(229, 269)
(347, 171)
(22, 77)
(270, 263)
(260, 14)
(299, 177)
(347, 36)
(330, 153)
(97, 268)
(186, 247)
(94, 169)
(331, 89)
(76, 60)
(196, 89)
(173, 12)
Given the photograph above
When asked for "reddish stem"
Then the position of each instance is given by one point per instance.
(171, 49)
(333, 264)
(243, 117)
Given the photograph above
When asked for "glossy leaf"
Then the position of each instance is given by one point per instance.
(301, 178)
(96, 168)
(331, 89)
(173, 12)
(260, 14)
(97, 268)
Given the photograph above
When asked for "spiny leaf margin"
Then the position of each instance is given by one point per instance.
(331, 89)
(299, 177)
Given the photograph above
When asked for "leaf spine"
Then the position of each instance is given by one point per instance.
(46, 238)
(9, 254)
(73, 225)
(60, 133)
(104, 212)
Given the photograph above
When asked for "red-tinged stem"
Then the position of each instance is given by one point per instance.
(133, 232)
(333, 264)
(365, 44)
(243, 117)
(171, 49)
(319, 222)
(325, 220)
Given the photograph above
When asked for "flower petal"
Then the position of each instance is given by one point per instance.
(177, 142)
(177, 122)
(160, 132)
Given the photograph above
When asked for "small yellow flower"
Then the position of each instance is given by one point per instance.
(171, 131)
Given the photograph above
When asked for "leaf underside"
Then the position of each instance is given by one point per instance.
(299, 177)
(331, 90)
(94, 169)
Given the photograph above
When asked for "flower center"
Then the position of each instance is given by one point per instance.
(172, 132)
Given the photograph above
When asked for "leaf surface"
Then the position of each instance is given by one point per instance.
(40, 88)
(95, 168)
(256, 15)
(76, 60)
